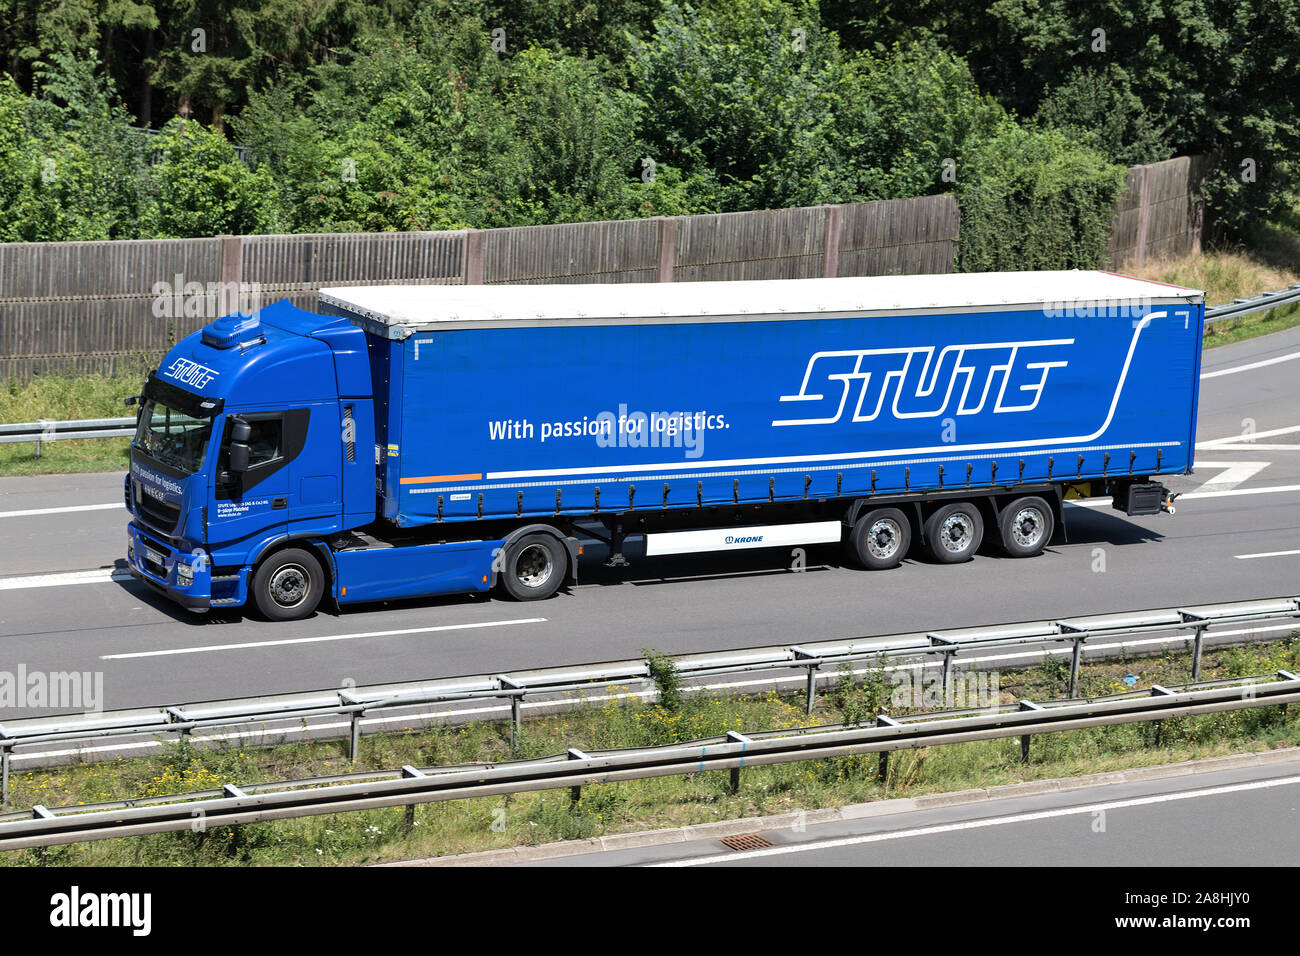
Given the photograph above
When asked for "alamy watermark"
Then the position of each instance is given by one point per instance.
(62, 690)
(962, 690)
(197, 300)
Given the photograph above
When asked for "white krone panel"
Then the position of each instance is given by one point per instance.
(742, 539)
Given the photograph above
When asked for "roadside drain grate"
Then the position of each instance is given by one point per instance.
(745, 841)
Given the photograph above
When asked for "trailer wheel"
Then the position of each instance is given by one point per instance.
(288, 585)
(1026, 526)
(534, 567)
(953, 533)
(880, 539)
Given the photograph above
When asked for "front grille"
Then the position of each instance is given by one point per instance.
(160, 514)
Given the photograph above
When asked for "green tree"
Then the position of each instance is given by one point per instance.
(1099, 108)
(741, 93)
(1030, 199)
(200, 187)
(72, 168)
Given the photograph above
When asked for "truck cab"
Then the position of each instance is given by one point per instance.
(254, 434)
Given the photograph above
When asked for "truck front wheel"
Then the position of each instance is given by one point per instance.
(288, 585)
(534, 567)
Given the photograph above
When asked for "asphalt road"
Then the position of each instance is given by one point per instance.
(679, 605)
(1248, 815)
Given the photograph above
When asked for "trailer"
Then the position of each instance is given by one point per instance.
(407, 441)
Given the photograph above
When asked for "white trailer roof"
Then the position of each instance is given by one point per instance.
(407, 308)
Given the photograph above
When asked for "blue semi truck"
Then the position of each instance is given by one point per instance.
(407, 441)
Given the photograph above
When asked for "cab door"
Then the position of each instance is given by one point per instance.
(256, 504)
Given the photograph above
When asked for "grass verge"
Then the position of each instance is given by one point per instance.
(66, 398)
(1226, 275)
(543, 817)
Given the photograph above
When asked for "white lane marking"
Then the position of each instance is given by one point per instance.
(1274, 489)
(58, 511)
(1249, 438)
(815, 845)
(95, 576)
(261, 733)
(1246, 368)
(321, 639)
(1234, 473)
(1265, 554)
(1263, 446)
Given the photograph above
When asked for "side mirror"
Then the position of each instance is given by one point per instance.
(238, 457)
(131, 400)
(240, 433)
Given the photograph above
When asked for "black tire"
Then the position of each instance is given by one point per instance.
(288, 585)
(534, 567)
(880, 539)
(1026, 526)
(954, 532)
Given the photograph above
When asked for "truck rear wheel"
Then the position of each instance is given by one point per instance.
(288, 585)
(880, 539)
(1026, 526)
(534, 567)
(953, 533)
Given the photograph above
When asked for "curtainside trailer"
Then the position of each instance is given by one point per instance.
(407, 441)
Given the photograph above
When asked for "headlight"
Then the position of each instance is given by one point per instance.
(184, 575)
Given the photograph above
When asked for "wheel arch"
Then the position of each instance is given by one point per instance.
(571, 547)
(308, 542)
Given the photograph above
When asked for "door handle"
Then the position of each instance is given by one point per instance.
(279, 504)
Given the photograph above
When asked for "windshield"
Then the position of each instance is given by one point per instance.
(172, 437)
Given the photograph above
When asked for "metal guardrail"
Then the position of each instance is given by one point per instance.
(1253, 303)
(353, 703)
(43, 431)
(233, 804)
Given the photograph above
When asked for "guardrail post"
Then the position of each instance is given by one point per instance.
(1076, 657)
(812, 664)
(516, 698)
(1024, 738)
(1196, 652)
(1285, 675)
(6, 751)
(1198, 623)
(737, 738)
(1158, 691)
(408, 814)
(354, 736)
(575, 792)
(882, 761)
(949, 649)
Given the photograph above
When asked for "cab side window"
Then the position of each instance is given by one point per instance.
(266, 442)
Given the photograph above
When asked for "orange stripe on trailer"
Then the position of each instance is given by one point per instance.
(420, 481)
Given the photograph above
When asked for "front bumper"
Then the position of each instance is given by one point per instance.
(182, 577)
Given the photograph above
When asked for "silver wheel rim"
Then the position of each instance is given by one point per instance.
(957, 533)
(1028, 526)
(883, 538)
(534, 567)
(289, 586)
